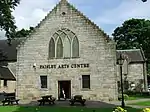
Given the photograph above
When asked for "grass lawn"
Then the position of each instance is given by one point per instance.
(58, 109)
(139, 96)
(136, 97)
(144, 103)
(132, 98)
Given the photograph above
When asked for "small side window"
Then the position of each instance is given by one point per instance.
(5, 83)
(43, 81)
(86, 81)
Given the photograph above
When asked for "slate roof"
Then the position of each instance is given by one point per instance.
(6, 74)
(9, 53)
(9, 50)
(134, 55)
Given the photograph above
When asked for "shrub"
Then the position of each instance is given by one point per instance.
(119, 109)
(146, 110)
(145, 93)
(126, 97)
(138, 94)
(130, 92)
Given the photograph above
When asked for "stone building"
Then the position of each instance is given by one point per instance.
(134, 69)
(7, 80)
(66, 51)
(8, 69)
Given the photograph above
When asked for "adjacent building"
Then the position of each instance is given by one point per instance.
(134, 70)
(8, 53)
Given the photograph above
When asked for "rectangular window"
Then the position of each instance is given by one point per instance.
(5, 83)
(43, 81)
(86, 81)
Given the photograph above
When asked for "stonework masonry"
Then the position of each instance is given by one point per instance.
(94, 49)
(10, 88)
(134, 73)
(11, 85)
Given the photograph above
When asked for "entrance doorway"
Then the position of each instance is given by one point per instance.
(66, 86)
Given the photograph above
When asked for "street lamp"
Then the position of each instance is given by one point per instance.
(120, 62)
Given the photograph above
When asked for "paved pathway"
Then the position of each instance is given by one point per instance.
(95, 104)
(90, 104)
(129, 103)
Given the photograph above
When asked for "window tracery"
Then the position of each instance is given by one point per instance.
(63, 44)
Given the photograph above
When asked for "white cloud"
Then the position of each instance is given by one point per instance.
(126, 10)
(31, 12)
(2, 35)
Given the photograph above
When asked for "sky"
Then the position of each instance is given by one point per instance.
(107, 14)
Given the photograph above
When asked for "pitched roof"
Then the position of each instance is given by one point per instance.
(71, 7)
(6, 74)
(9, 49)
(134, 55)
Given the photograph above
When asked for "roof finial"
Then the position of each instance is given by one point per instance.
(63, 0)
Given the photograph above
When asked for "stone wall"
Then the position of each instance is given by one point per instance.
(94, 49)
(135, 73)
(11, 85)
(10, 88)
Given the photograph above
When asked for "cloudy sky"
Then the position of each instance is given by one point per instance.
(108, 14)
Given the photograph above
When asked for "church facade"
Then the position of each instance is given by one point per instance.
(66, 52)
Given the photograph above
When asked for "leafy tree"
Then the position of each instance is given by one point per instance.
(7, 22)
(23, 32)
(134, 33)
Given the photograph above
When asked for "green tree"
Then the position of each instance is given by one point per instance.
(24, 32)
(7, 22)
(134, 33)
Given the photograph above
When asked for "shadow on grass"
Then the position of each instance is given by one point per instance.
(91, 106)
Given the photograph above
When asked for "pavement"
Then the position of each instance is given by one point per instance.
(89, 104)
(130, 102)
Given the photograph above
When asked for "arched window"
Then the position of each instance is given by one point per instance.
(63, 44)
(75, 47)
(51, 48)
(67, 48)
(59, 50)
